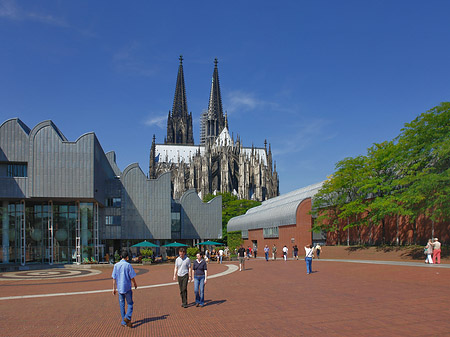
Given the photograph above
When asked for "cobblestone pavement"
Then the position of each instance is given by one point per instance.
(274, 298)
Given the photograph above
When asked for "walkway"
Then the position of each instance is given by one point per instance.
(274, 298)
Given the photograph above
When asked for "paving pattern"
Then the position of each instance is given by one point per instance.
(274, 298)
(47, 274)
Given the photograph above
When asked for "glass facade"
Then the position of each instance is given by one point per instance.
(47, 233)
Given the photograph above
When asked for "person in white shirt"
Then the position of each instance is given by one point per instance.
(309, 251)
(285, 252)
(183, 271)
(219, 260)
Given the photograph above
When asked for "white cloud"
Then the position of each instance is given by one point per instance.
(10, 10)
(242, 101)
(126, 60)
(159, 121)
(302, 136)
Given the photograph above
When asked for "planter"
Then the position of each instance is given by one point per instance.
(146, 262)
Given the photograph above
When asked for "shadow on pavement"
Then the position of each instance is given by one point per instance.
(148, 320)
(209, 302)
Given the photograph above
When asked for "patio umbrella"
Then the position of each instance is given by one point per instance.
(175, 244)
(212, 243)
(144, 244)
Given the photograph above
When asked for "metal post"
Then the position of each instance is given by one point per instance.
(78, 234)
(50, 231)
(96, 244)
(23, 239)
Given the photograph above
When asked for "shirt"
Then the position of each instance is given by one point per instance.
(200, 267)
(309, 252)
(123, 272)
(182, 265)
(241, 252)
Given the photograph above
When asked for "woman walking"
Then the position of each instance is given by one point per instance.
(309, 251)
(200, 275)
(429, 248)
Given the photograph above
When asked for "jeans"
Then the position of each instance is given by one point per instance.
(308, 265)
(220, 258)
(183, 283)
(267, 256)
(199, 289)
(128, 296)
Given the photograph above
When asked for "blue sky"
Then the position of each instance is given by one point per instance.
(320, 80)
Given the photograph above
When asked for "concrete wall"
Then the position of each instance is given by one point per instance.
(200, 220)
(146, 205)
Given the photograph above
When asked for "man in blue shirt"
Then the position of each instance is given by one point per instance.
(123, 274)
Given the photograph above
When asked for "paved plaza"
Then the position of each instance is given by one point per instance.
(274, 298)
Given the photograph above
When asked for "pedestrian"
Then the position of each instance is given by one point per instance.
(436, 251)
(429, 251)
(308, 258)
(255, 251)
(200, 276)
(274, 252)
(266, 252)
(241, 256)
(248, 252)
(318, 250)
(183, 271)
(219, 260)
(207, 256)
(123, 274)
(295, 248)
(285, 252)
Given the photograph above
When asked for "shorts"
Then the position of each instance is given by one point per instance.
(241, 260)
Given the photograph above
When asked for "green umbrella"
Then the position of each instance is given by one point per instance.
(144, 244)
(211, 243)
(175, 244)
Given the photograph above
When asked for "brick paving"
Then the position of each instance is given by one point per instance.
(268, 299)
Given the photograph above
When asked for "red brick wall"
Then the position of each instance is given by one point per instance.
(373, 234)
(300, 232)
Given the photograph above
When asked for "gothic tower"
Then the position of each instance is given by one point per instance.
(214, 119)
(179, 121)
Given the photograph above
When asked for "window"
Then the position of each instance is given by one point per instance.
(244, 234)
(111, 220)
(113, 202)
(17, 170)
(270, 232)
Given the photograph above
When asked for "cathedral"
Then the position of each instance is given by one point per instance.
(219, 163)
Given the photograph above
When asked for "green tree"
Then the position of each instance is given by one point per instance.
(408, 176)
(231, 207)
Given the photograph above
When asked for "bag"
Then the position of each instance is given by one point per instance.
(425, 251)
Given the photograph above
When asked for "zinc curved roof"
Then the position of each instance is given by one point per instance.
(279, 211)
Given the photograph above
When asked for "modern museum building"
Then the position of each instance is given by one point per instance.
(67, 201)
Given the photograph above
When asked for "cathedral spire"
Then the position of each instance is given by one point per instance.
(179, 122)
(179, 108)
(215, 109)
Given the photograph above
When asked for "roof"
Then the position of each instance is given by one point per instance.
(278, 211)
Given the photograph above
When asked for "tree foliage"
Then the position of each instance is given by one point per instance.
(231, 207)
(407, 176)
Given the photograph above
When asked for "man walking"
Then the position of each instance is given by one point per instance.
(266, 252)
(285, 252)
(274, 252)
(436, 251)
(123, 274)
(241, 256)
(183, 271)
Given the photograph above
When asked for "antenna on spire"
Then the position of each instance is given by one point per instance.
(215, 62)
(181, 59)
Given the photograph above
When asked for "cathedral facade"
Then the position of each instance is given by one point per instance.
(219, 163)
